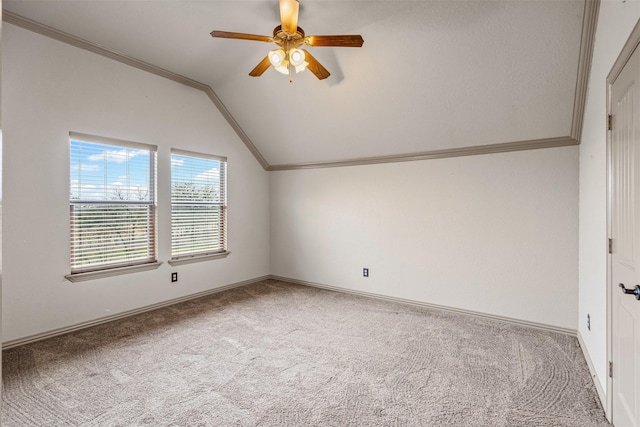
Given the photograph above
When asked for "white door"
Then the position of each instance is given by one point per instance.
(625, 232)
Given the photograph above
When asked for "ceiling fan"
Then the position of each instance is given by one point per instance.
(289, 38)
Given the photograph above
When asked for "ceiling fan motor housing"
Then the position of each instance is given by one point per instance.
(286, 40)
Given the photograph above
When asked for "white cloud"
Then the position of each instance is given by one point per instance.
(85, 167)
(116, 156)
(211, 174)
(176, 162)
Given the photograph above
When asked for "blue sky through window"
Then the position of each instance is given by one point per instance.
(200, 174)
(102, 172)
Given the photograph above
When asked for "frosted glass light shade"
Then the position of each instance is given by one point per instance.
(301, 67)
(276, 57)
(283, 68)
(296, 57)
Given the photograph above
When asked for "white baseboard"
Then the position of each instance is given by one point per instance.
(83, 325)
(542, 326)
(596, 381)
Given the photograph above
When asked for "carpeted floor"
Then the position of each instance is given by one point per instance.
(277, 354)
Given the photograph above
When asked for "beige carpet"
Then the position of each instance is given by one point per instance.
(277, 354)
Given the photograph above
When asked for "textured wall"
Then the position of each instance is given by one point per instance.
(615, 22)
(49, 89)
(496, 234)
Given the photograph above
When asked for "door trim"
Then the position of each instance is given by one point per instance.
(629, 47)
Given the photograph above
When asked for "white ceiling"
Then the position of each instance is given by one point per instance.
(432, 75)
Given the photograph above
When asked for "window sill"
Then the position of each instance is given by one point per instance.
(90, 275)
(197, 258)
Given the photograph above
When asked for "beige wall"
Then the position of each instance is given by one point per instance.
(50, 88)
(495, 234)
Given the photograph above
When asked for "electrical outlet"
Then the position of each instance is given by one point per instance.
(174, 277)
(365, 272)
(588, 322)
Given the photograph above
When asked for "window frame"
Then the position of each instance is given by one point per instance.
(190, 257)
(115, 268)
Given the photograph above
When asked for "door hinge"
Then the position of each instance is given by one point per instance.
(609, 120)
(610, 246)
(610, 369)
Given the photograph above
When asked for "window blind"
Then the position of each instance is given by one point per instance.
(112, 203)
(198, 204)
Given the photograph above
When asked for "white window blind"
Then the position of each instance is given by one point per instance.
(198, 204)
(112, 203)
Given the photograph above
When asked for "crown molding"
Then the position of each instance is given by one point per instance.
(535, 144)
(629, 47)
(36, 27)
(589, 24)
(236, 127)
(61, 36)
(587, 42)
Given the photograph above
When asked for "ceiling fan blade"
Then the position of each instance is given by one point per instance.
(353, 40)
(261, 67)
(289, 15)
(315, 67)
(240, 36)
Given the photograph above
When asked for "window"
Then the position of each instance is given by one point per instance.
(198, 206)
(112, 203)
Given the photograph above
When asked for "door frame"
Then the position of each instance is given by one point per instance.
(625, 54)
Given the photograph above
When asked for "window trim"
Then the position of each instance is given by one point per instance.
(205, 255)
(112, 271)
(195, 154)
(85, 137)
(188, 259)
(130, 266)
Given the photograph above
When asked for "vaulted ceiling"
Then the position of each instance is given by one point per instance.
(434, 78)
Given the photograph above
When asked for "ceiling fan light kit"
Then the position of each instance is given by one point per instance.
(283, 61)
(277, 57)
(289, 38)
(296, 57)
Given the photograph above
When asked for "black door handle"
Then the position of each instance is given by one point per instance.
(635, 291)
